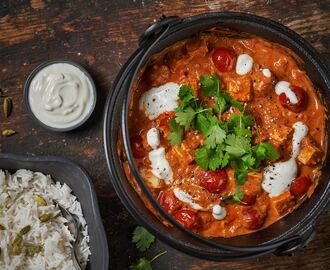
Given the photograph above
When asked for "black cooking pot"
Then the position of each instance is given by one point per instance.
(285, 236)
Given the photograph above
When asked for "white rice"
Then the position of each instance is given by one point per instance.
(18, 209)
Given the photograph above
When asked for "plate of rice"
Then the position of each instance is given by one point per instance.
(33, 232)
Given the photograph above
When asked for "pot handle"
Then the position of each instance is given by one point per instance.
(289, 248)
(152, 31)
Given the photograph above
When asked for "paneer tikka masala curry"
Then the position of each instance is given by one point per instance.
(227, 132)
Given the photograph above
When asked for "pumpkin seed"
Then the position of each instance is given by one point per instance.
(45, 217)
(2, 228)
(32, 250)
(16, 249)
(8, 132)
(25, 230)
(18, 240)
(7, 106)
(39, 200)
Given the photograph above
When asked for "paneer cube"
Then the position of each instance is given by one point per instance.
(280, 135)
(283, 203)
(240, 88)
(309, 153)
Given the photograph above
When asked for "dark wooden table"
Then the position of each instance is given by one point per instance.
(101, 35)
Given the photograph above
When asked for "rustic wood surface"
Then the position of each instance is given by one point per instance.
(101, 35)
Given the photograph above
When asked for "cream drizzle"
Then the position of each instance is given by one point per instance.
(187, 198)
(284, 87)
(277, 177)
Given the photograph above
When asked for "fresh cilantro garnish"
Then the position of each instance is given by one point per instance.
(141, 264)
(145, 264)
(185, 117)
(236, 197)
(210, 85)
(187, 97)
(177, 132)
(237, 146)
(214, 136)
(211, 158)
(142, 238)
(225, 142)
(265, 150)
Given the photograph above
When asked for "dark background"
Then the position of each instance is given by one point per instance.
(101, 35)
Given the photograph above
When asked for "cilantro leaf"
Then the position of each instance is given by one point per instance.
(219, 104)
(145, 264)
(215, 135)
(187, 97)
(211, 158)
(236, 197)
(185, 117)
(210, 85)
(176, 135)
(217, 158)
(244, 132)
(248, 160)
(240, 120)
(240, 176)
(141, 264)
(204, 121)
(240, 171)
(225, 160)
(264, 151)
(202, 157)
(237, 146)
(270, 151)
(142, 238)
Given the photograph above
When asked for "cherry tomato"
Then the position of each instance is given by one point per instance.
(301, 96)
(248, 199)
(300, 186)
(215, 181)
(223, 59)
(253, 219)
(137, 146)
(187, 218)
(169, 202)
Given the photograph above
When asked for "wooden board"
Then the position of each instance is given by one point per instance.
(101, 35)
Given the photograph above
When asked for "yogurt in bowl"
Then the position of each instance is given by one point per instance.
(60, 95)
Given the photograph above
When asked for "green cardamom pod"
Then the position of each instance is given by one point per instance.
(8, 132)
(2, 228)
(44, 217)
(7, 106)
(39, 200)
(18, 240)
(25, 230)
(32, 250)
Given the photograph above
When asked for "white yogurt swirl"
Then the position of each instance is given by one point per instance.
(61, 95)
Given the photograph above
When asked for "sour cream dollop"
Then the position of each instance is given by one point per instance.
(266, 72)
(277, 177)
(153, 138)
(284, 87)
(244, 64)
(61, 95)
(160, 167)
(160, 99)
(219, 212)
